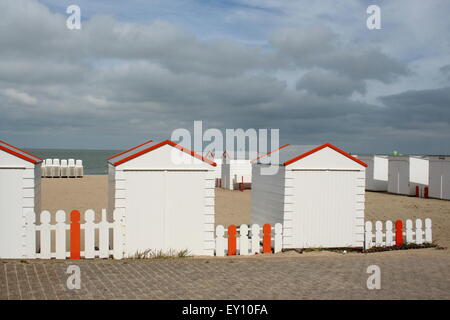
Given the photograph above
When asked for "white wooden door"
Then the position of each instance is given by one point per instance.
(165, 210)
(324, 209)
(11, 219)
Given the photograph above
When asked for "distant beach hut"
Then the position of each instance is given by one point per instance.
(439, 172)
(20, 177)
(236, 169)
(317, 193)
(405, 173)
(165, 194)
(376, 171)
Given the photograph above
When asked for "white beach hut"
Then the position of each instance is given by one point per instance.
(20, 180)
(316, 193)
(236, 168)
(439, 174)
(376, 171)
(165, 194)
(407, 172)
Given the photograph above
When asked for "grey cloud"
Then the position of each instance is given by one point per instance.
(329, 84)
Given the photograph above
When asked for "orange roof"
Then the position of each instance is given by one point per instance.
(19, 153)
(140, 150)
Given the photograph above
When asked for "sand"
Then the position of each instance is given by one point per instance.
(233, 207)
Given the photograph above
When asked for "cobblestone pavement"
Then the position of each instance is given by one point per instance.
(413, 274)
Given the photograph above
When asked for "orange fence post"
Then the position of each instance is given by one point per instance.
(75, 235)
(417, 191)
(398, 232)
(232, 231)
(267, 239)
(242, 184)
(425, 192)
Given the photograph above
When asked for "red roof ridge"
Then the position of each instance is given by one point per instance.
(128, 150)
(329, 145)
(163, 143)
(266, 154)
(10, 151)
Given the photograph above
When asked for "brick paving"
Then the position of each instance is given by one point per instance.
(413, 274)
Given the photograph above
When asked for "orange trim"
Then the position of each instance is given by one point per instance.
(75, 235)
(121, 153)
(10, 145)
(156, 146)
(322, 147)
(398, 232)
(284, 146)
(232, 231)
(33, 161)
(267, 239)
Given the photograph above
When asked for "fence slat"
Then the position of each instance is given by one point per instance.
(378, 233)
(409, 231)
(243, 240)
(118, 240)
(398, 232)
(278, 245)
(45, 235)
(419, 231)
(389, 234)
(89, 234)
(220, 241)
(103, 236)
(30, 243)
(232, 240)
(255, 239)
(267, 238)
(60, 235)
(428, 233)
(368, 235)
(75, 235)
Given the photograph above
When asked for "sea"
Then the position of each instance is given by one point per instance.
(94, 161)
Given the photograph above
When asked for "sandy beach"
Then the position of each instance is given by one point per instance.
(233, 207)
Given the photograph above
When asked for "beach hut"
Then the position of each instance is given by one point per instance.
(20, 180)
(317, 193)
(405, 173)
(236, 169)
(439, 172)
(376, 171)
(165, 194)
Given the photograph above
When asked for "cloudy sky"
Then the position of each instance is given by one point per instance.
(139, 69)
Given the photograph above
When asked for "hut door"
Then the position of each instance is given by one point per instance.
(324, 209)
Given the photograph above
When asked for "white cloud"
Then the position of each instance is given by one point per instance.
(20, 96)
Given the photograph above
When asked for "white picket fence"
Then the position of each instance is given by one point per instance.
(247, 244)
(39, 236)
(56, 168)
(387, 237)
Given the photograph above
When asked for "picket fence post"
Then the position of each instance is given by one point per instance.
(255, 239)
(75, 234)
(419, 232)
(243, 240)
(398, 232)
(220, 241)
(232, 240)
(267, 238)
(103, 236)
(409, 231)
(45, 235)
(428, 234)
(60, 234)
(368, 235)
(389, 234)
(378, 234)
(89, 234)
